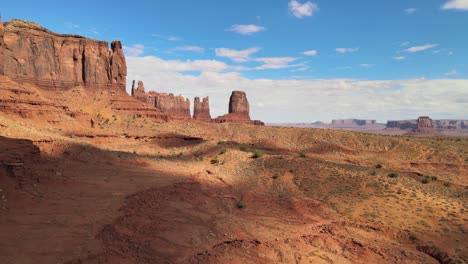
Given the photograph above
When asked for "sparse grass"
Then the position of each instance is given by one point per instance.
(257, 154)
(276, 175)
(302, 155)
(241, 205)
(215, 160)
(223, 151)
(426, 180)
(447, 184)
(244, 148)
(221, 142)
(393, 175)
(378, 166)
(199, 158)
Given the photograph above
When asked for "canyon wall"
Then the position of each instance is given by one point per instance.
(31, 53)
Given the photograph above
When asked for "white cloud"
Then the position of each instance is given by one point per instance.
(420, 48)
(346, 50)
(399, 58)
(72, 25)
(246, 29)
(436, 51)
(450, 53)
(410, 11)
(134, 51)
(452, 73)
(236, 55)
(165, 37)
(310, 53)
(405, 43)
(456, 5)
(160, 65)
(301, 10)
(367, 65)
(190, 48)
(94, 31)
(275, 63)
(290, 100)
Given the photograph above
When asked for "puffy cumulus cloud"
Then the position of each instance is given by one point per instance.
(420, 48)
(190, 48)
(246, 29)
(310, 52)
(456, 5)
(276, 63)
(346, 50)
(302, 10)
(399, 58)
(135, 50)
(301, 100)
(236, 55)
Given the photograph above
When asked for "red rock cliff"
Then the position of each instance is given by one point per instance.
(29, 52)
(201, 109)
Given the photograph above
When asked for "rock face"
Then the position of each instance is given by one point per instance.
(239, 105)
(31, 53)
(424, 126)
(239, 111)
(352, 122)
(201, 109)
(402, 124)
(177, 107)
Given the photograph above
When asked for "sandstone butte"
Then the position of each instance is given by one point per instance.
(30, 53)
(239, 111)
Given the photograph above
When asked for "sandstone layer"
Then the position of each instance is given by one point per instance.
(442, 124)
(201, 109)
(31, 53)
(239, 111)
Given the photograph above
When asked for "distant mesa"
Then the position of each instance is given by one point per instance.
(352, 122)
(31, 53)
(239, 111)
(442, 124)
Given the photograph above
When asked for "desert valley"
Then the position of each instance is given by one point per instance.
(92, 174)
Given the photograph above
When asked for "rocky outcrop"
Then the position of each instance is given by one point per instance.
(177, 107)
(352, 122)
(201, 109)
(31, 53)
(239, 111)
(424, 126)
(451, 124)
(239, 105)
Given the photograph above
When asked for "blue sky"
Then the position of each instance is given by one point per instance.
(299, 61)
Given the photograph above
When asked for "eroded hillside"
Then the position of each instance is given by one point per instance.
(133, 189)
